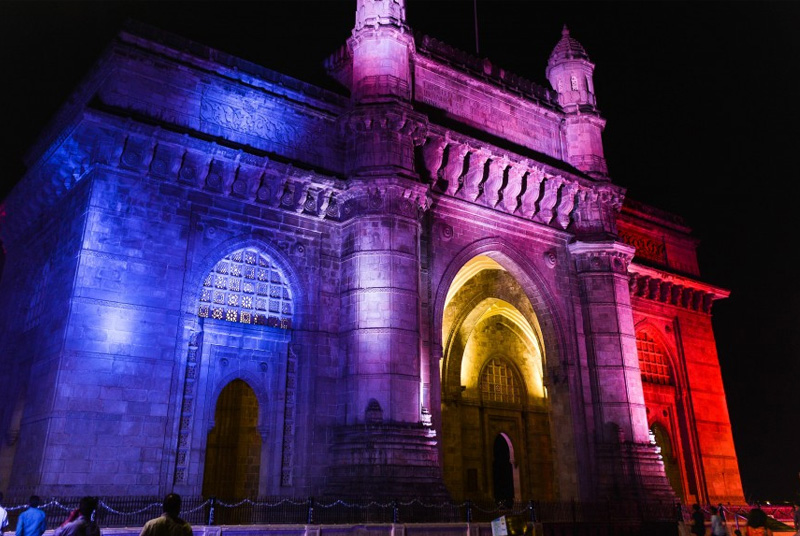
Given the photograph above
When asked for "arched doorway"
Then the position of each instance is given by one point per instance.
(666, 415)
(671, 465)
(496, 433)
(233, 451)
(502, 472)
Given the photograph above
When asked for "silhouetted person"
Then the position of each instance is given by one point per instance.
(83, 524)
(757, 523)
(168, 524)
(31, 522)
(3, 516)
(698, 521)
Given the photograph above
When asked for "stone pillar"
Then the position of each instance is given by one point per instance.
(627, 462)
(381, 296)
(384, 449)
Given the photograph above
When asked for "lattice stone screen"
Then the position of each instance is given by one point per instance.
(652, 361)
(499, 383)
(247, 287)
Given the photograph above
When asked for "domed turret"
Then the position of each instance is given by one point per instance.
(570, 73)
(568, 48)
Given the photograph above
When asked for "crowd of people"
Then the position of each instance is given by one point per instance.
(81, 521)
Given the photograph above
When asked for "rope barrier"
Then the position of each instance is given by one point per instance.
(117, 512)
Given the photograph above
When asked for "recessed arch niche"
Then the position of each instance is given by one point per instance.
(667, 415)
(493, 388)
(233, 450)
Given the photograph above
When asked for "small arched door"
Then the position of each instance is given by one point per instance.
(233, 451)
(502, 472)
(671, 464)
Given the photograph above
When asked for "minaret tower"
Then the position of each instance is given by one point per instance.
(571, 74)
(381, 44)
(383, 447)
(382, 125)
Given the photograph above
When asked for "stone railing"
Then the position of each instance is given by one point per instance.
(485, 69)
(464, 168)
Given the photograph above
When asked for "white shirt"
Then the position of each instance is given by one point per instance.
(3, 518)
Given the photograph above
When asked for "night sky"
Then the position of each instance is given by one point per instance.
(703, 107)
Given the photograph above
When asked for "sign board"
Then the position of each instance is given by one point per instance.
(499, 527)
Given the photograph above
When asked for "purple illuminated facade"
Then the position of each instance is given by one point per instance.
(224, 281)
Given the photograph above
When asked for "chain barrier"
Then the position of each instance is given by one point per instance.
(137, 512)
(134, 511)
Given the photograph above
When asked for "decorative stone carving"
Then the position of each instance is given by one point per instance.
(289, 416)
(533, 182)
(474, 175)
(494, 181)
(432, 157)
(601, 256)
(646, 248)
(135, 153)
(672, 293)
(514, 186)
(239, 188)
(384, 199)
(187, 405)
(549, 199)
(453, 169)
(566, 204)
(550, 258)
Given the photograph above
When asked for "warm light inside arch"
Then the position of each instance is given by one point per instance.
(492, 309)
(529, 363)
(468, 271)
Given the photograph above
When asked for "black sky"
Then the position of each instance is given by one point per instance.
(703, 107)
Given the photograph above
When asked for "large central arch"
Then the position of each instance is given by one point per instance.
(493, 338)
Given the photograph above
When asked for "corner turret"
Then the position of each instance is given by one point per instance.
(570, 73)
(381, 45)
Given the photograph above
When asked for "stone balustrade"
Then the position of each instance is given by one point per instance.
(468, 169)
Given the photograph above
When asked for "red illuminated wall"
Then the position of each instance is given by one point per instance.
(681, 376)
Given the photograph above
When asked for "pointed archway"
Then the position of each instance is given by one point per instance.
(233, 451)
(493, 387)
(671, 464)
(666, 413)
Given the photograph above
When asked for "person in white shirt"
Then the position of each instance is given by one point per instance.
(3, 516)
(717, 524)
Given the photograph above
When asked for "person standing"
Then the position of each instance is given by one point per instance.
(757, 523)
(717, 523)
(31, 522)
(83, 524)
(698, 521)
(169, 523)
(3, 516)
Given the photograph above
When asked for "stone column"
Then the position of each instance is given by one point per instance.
(384, 449)
(381, 297)
(627, 463)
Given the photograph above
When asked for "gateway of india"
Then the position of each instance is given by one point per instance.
(223, 281)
